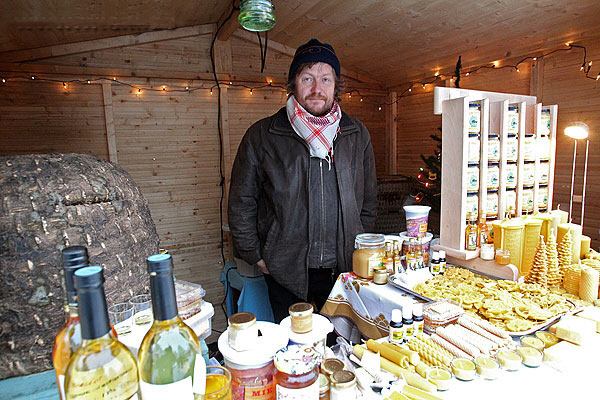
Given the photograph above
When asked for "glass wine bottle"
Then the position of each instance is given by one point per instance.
(170, 350)
(102, 368)
(69, 337)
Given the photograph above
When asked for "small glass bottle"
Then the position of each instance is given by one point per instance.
(407, 321)
(396, 332)
(483, 231)
(410, 255)
(435, 264)
(442, 254)
(343, 386)
(418, 320)
(419, 258)
(388, 260)
(471, 233)
(397, 258)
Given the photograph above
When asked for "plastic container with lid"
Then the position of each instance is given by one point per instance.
(473, 148)
(301, 315)
(242, 332)
(369, 249)
(472, 178)
(513, 119)
(493, 177)
(493, 148)
(252, 371)
(512, 148)
(440, 313)
(189, 298)
(316, 338)
(416, 220)
(343, 386)
(511, 176)
(297, 373)
(474, 117)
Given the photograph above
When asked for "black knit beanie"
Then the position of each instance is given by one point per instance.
(314, 51)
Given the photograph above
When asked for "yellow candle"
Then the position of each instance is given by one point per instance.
(546, 224)
(440, 377)
(509, 360)
(548, 338)
(463, 369)
(586, 241)
(575, 234)
(563, 216)
(487, 368)
(532, 341)
(531, 357)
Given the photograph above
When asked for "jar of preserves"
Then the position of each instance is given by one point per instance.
(343, 386)
(472, 204)
(474, 118)
(493, 176)
(369, 249)
(331, 365)
(473, 148)
(301, 315)
(513, 119)
(493, 148)
(491, 204)
(528, 174)
(472, 179)
(546, 121)
(511, 201)
(543, 198)
(512, 148)
(544, 172)
(529, 150)
(380, 276)
(243, 331)
(323, 387)
(527, 200)
(297, 373)
(543, 147)
(511, 176)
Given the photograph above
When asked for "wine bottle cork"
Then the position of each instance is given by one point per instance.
(588, 284)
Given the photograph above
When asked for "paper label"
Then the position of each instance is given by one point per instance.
(308, 393)
(180, 390)
(259, 392)
(375, 261)
(396, 335)
(102, 384)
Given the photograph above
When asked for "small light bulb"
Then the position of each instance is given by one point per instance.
(139, 92)
(33, 77)
(517, 68)
(361, 99)
(211, 91)
(437, 73)
(379, 108)
(64, 85)
(231, 83)
(581, 69)
(250, 91)
(349, 95)
(590, 64)
(114, 78)
(534, 58)
(496, 63)
(3, 80)
(567, 44)
(187, 88)
(467, 74)
(421, 169)
(410, 89)
(88, 81)
(424, 86)
(426, 184)
(598, 77)
(164, 88)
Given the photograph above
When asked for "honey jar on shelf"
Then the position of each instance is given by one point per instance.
(369, 249)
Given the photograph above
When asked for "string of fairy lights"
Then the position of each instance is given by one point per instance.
(139, 89)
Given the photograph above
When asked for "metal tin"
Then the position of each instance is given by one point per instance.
(543, 198)
(527, 200)
(329, 366)
(472, 204)
(529, 150)
(544, 172)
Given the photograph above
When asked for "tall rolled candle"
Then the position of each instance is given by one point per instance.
(588, 284)
(586, 242)
(546, 224)
(563, 216)
(575, 234)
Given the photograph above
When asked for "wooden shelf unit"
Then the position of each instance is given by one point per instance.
(453, 104)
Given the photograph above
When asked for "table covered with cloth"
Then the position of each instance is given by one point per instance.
(358, 307)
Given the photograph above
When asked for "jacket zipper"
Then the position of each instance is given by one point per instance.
(322, 213)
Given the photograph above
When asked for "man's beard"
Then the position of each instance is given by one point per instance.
(321, 111)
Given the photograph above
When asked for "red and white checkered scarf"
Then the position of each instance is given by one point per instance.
(318, 132)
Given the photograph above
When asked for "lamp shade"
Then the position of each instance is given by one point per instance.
(257, 15)
(577, 130)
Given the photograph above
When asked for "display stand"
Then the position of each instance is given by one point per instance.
(521, 130)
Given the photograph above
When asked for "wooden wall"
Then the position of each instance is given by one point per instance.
(167, 140)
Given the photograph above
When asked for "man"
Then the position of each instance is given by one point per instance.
(303, 185)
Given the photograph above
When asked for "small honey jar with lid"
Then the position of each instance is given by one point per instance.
(368, 254)
(242, 332)
(301, 315)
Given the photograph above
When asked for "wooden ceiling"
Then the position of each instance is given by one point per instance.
(391, 40)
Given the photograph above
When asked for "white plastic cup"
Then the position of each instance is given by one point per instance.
(416, 220)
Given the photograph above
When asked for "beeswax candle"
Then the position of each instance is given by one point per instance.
(576, 236)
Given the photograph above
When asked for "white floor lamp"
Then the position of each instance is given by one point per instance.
(578, 130)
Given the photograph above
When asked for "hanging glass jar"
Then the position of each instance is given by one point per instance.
(257, 15)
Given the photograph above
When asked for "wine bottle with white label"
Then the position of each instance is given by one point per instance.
(102, 368)
(170, 351)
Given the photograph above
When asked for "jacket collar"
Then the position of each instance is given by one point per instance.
(280, 124)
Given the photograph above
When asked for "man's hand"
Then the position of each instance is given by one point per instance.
(263, 267)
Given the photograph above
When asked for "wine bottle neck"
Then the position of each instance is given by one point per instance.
(164, 302)
(93, 313)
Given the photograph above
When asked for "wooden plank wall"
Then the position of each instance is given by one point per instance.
(578, 99)
(167, 140)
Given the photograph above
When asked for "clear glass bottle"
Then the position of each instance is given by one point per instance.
(411, 257)
(388, 260)
(102, 368)
(170, 350)
(483, 231)
(471, 233)
(407, 321)
(68, 339)
(257, 15)
(397, 258)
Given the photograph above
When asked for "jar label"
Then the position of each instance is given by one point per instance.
(310, 392)
(259, 392)
(181, 389)
(396, 335)
(375, 261)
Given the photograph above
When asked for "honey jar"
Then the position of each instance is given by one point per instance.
(301, 315)
(369, 249)
(297, 375)
(242, 332)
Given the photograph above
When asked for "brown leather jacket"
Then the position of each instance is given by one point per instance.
(269, 204)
